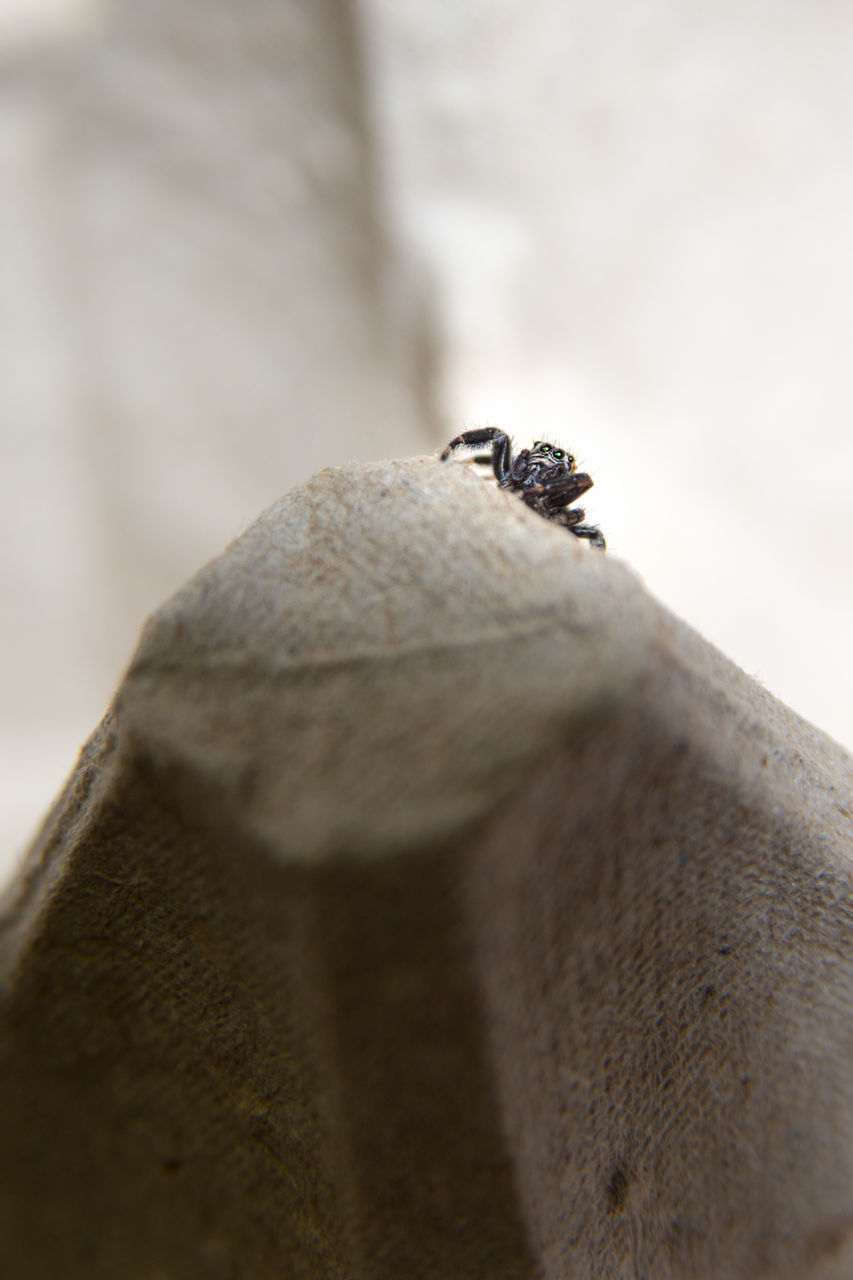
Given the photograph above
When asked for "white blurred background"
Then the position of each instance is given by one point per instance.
(242, 242)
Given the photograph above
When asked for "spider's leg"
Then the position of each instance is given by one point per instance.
(572, 518)
(568, 517)
(499, 441)
(591, 532)
(482, 435)
(501, 456)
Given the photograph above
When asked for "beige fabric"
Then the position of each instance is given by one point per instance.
(199, 307)
(432, 903)
(241, 242)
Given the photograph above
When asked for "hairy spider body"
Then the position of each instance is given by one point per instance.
(545, 477)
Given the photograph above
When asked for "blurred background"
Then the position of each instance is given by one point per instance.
(239, 243)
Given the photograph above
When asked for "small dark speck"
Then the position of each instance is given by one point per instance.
(724, 951)
(173, 1164)
(708, 994)
(617, 1190)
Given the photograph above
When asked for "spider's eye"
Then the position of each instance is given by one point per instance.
(545, 448)
(570, 461)
(558, 453)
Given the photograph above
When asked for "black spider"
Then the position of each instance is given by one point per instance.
(545, 476)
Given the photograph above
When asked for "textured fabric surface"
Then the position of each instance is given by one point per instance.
(431, 902)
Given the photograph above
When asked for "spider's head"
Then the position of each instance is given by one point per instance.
(553, 454)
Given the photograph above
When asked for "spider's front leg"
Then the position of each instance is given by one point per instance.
(572, 520)
(501, 454)
(553, 500)
(592, 533)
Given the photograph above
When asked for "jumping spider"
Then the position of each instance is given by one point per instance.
(545, 476)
